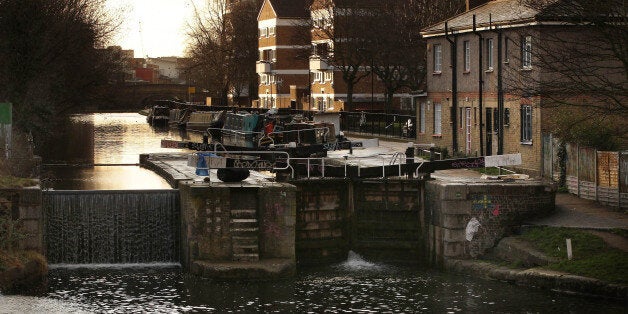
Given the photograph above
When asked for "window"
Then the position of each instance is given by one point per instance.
(329, 76)
(318, 77)
(271, 31)
(506, 116)
(422, 118)
(263, 78)
(489, 54)
(506, 55)
(438, 58)
(467, 56)
(263, 32)
(267, 55)
(526, 124)
(526, 52)
(437, 119)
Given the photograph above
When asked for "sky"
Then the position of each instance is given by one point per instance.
(163, 25)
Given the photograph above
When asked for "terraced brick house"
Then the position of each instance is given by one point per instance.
(487, 85)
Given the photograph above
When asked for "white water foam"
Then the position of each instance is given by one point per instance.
(355, 262)
(114, 266)
(36, 305)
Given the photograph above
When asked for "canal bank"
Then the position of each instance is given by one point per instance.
(402, 228)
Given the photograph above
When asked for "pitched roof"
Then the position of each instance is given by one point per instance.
(495, 13)
(291, 8)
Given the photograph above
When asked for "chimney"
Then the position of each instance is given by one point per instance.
(472, 4)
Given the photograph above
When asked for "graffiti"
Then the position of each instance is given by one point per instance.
(272, 216)
(482, 202)
(253, 164)
(487, 203)
(474, 163)
(472, 228)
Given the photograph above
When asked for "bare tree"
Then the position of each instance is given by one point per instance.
(49, 61)
(579, 67)
(400, 60)
(223, 47)
(345, 25)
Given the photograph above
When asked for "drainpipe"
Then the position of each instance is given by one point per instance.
(500, 93)
(454, 88)
(480, 83)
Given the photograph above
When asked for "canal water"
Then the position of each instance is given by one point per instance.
(101, 152)
(353, 286)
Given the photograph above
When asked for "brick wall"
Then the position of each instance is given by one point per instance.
(487, 211)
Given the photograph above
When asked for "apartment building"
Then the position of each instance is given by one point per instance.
(330, 58)
(483, 81)
(284, 44)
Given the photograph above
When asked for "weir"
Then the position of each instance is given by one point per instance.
(88, 227)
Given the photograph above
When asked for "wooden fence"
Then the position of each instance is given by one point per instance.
(590, 174)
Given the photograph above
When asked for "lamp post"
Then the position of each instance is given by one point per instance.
(372, 86)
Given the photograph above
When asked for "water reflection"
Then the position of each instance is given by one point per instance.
(315, 290)
(86, 140)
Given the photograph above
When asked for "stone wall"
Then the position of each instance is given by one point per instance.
(25, 205)
(230, 223)
(464, 220)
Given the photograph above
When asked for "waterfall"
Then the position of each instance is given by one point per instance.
(88, 227)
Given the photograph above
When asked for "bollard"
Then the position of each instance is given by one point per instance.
(410, 160)
(569, 252)
(432, 149)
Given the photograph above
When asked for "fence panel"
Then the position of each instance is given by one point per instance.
(547, 150)
(608, 178)
(586, 172)
(623, 179)
(572, 168)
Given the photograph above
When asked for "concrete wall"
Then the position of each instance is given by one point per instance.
(213, 217)
(488, 211)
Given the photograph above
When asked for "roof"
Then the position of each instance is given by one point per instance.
(291, 8)
(495, 13)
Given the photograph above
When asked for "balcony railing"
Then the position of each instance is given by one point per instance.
(317, 63)
(263, 67)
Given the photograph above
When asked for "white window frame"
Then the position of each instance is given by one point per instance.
(438, 58)
(318, 76)
(271, 31)
(489, 54)
(329, 76)
(526, 52)
(467, 55)
(263, 32)
(438, 119)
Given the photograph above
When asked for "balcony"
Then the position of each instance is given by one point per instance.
(263, 67)
(319, 64)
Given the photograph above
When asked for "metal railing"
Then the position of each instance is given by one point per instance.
(379, 124)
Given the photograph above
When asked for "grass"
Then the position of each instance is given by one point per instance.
(591, 256)
(491, 171)
(10, 182)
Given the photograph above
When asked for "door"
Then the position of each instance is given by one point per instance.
(489, 131)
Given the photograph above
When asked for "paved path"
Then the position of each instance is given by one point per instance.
(574, 212)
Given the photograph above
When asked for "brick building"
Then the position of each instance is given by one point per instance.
(283, 47)
(334, 36)
(474, 60)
